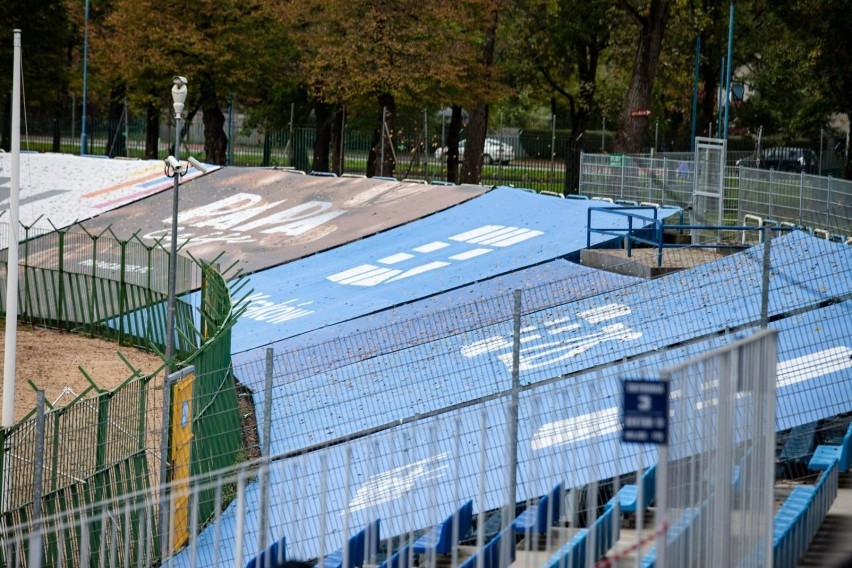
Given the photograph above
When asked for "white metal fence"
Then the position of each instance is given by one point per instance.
(818, 203)
(716, 476)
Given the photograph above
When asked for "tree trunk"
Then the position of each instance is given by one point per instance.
(477, 126)
(631, 130)
(324, 116)
(708, 100)
(152, 132)
(453, 134)
(215, 139)
(588, 55)
(116, 144)
(387, 103)
(337, 149)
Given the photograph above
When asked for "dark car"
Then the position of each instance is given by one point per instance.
(784, 159)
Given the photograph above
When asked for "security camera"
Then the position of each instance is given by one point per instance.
(197, 165)
(173, 162)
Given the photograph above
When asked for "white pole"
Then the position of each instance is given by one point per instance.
(12, 264)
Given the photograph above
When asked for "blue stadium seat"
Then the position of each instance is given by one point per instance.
(799, 444)
(439, 540)
(400, 559)
(678, 530)
(628, 495)
(361, 547)
(540, 516)
(491, 551)
(604, 532)
(273, 557)
(572, 554)
(825, 454)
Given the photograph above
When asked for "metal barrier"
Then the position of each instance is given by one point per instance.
(632, 235)
(804, 199)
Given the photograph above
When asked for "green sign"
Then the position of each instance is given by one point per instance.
(616, 160)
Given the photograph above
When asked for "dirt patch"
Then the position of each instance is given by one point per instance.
(51, 360)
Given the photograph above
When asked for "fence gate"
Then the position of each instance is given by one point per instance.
(715, 478)
(708, 194)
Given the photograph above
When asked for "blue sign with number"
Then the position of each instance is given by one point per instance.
(645, 411)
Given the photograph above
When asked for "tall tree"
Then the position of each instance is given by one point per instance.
(384, 53)
(825, 40)
(562, 43)
(45, 42)
(478, 119)
(220, 47)
(651, 17)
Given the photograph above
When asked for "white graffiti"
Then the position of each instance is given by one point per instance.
(558, 340)
(382, 272)
(397, 482)
(574, 429)
(606, 421)
(234, 218)
(814, 365)
(261, 309)
(115, 266)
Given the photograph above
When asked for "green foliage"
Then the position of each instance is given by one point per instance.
(46, 35)
(575, 58)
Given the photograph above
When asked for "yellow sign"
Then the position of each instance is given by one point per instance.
(180, 455)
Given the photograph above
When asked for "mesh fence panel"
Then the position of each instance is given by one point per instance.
(815, 202)
(716, 476)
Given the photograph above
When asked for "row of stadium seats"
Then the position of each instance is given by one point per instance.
(758, 221)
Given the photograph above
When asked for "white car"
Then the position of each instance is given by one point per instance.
(493, 152)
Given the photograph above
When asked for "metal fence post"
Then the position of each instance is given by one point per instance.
(512, 444)
(35, 555)
(801, 194)
(623, 161)
(764, 293)
(771, 185)
(264, 463)
(60, 305)
(828, 206)
(771, 199)
(164, 465)
(122, 292)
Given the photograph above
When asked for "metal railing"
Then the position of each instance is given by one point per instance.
(802, 199)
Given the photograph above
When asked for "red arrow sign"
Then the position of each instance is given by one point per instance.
(643, 112)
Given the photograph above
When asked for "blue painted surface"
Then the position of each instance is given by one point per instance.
(496, 233)
(386, 385)
(554, 282)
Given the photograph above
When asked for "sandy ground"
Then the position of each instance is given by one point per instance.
(51, 359)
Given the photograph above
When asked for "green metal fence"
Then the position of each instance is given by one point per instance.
(98, 448)
(98, 284)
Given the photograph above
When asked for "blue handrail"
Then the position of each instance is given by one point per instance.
(657, 241)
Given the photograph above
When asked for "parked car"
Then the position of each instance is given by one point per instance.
(784, 159)
(493, 152)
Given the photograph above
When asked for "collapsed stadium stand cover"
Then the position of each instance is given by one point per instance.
(594, 334)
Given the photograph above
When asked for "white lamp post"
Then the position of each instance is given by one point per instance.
(175, 170)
